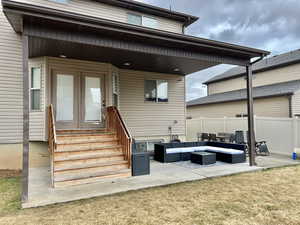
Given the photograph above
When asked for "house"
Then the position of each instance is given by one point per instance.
(88, 76)
(276, 92)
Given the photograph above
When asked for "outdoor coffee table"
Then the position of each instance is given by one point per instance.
(203, 158)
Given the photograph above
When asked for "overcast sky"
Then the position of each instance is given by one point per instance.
(273, 25)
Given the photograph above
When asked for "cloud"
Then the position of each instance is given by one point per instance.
(272, 25)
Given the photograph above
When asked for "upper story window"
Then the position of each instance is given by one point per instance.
(156, 91)
(142, 20)
(60, 1)
(35, 88)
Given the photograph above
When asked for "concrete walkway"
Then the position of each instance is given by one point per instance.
(40, 192)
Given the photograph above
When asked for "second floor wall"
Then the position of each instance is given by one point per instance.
(104, 11)
(279, 75)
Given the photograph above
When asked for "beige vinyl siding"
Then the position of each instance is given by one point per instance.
(100, 10)
(11, 86)
(149, 119)
(296, 103)
(267, 107)
(37, 119)
(284, 74)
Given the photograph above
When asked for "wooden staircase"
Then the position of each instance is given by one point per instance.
(88, 156)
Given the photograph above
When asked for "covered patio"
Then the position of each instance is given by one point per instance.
(48, 32)
(41, 193)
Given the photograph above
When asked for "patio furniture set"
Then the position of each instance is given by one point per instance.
(200, 152)
(238, 138)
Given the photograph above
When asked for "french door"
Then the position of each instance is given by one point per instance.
(78, 100)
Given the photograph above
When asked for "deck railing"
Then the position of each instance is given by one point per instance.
(115, 123)
(51, 137)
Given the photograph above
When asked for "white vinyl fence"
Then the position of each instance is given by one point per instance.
(282, 134)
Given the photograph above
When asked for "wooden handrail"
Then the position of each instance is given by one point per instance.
(51, 138)
(115, 123)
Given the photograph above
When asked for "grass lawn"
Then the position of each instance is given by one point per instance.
(264, 198)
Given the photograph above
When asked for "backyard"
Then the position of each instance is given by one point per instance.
(266, 197)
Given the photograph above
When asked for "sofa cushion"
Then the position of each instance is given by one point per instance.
(225, 150)
(174, 150)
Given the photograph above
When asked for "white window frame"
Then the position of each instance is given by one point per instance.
(34, 89)
(142, 20)
(156, 101)
(60, 1)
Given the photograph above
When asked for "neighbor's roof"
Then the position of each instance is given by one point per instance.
(153, 10)
(266, 64)
(279, 89)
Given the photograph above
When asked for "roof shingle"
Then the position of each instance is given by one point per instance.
(279, 89)
(266, 64)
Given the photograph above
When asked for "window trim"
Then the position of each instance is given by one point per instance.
(32, 89)
(156, 101)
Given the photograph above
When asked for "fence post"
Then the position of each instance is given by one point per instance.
(255, 126)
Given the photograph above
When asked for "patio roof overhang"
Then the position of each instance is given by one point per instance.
(53, 32)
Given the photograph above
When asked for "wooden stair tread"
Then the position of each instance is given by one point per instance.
(87, 141)
(90, 175)
(86, 134)
(87, 156)
(89, 165)
(88, 148)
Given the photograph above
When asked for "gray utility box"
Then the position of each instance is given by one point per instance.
(140, 164)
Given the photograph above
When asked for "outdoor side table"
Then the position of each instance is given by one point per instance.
(203, 158)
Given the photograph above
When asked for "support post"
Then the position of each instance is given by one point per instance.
(25, 162)
(251, 132)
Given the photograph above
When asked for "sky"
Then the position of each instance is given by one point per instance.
(272, 25)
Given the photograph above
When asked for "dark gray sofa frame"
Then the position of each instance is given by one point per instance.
(161, 155)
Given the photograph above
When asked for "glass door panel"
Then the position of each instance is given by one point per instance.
(65, 98)
(92, 99)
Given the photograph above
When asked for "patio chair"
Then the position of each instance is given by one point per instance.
(204, 137)
(239, 137)
(231, 138)
(261, 147)
(213, 137)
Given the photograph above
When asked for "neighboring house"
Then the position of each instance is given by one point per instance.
(111, 69)
(276, 92)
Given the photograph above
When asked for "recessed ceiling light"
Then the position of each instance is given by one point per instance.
(127, 64)
(176, 70)
(62, 56)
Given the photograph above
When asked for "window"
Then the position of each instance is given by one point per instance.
(134, 19)
(60, 1)
(142, 20)
(149, 22)
(35, 88)
(156, 91)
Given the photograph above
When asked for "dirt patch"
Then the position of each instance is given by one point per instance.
(10, 173)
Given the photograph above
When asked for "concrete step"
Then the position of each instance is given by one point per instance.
(91, 177)
(63, 156)
(78, 168)
(86, 146)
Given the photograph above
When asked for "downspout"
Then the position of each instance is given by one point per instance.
(290, 106)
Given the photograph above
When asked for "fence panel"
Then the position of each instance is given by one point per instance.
(298, 133)
(280, 133)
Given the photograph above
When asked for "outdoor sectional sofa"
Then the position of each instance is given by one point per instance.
(174, 152)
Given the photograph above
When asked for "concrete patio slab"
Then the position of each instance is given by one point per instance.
(41, 194)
